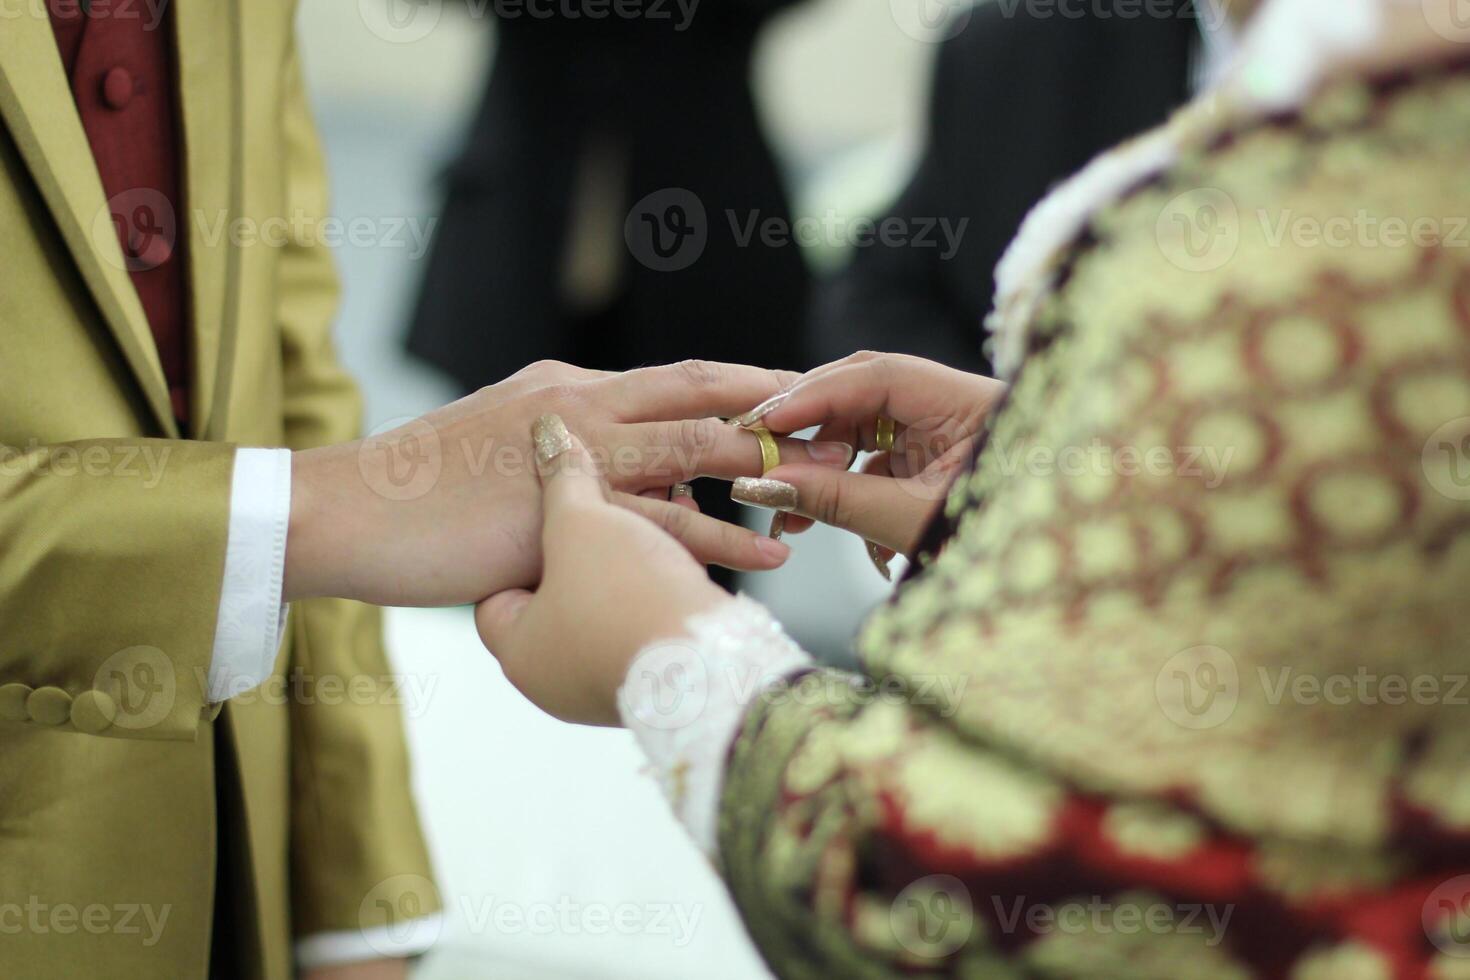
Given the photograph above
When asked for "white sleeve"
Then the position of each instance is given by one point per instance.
(400, 941)
(684, 700)
(247, 634)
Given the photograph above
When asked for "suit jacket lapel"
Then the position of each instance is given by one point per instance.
(207, 39)
(37, 107)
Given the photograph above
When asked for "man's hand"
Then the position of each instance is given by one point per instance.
(447, 510)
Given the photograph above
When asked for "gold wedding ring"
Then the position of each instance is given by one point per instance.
(883, 439)
(770, 452)
(770, 459)
(883, 434)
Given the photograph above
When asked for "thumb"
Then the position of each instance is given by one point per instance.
(568, 475)
(497, 617)
(879, 508)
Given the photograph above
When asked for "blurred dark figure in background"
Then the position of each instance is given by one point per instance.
(1023, 96)
(590, 129)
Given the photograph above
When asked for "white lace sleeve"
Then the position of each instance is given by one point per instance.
(684, 699)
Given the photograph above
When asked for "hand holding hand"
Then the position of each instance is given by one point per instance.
(613, 583)
(446, 509)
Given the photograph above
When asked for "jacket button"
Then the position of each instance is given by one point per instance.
(117, 88)
(93, 711)
(13, 702)
(49, 706)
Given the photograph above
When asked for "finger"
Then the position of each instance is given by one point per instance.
(878, 508)
(710, 541)
(692, 389)
(665, 452)
(497, 618)
(909, 390)
(682, 495)
(569, 476)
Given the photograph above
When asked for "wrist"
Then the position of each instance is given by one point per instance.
(313, 549)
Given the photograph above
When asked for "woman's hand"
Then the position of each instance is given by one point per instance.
(938, 413)
(614, 582)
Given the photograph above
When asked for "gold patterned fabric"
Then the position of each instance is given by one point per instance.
(1185, 689)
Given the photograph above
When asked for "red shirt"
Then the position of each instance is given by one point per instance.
(121, 68)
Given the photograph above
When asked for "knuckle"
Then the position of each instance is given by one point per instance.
(674, 520)
(700, 373)
(830, 503)
(545, 370)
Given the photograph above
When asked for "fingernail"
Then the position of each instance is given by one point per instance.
(551, 438)
(681, 490)
(832, 453)
(773, 549)
(775, 494)
(880, 561)
(762, 410)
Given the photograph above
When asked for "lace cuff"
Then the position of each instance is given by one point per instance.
(684, 699)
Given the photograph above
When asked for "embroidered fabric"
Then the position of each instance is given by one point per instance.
(684, 699)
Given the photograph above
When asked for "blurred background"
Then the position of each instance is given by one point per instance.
(555, 854)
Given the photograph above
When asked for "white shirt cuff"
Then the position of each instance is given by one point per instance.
(396, 942)
(684, 700)
(247, 634)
